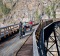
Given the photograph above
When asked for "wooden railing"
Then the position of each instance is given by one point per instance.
(8, 30)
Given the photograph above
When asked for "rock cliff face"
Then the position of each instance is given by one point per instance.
(22, 9)
(9, 3)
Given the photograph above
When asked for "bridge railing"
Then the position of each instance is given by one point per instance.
(40, 35)
(43, 34)
(35, 48)
(42, 24)
(8, 30)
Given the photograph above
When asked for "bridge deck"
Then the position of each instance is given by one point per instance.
(10, 47)
(27, 48)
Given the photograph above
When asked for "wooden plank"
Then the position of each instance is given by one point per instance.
(4, 32)
(13, 29)
(0, 32)
(8, 31)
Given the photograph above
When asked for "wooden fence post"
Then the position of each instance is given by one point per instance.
(0, 34)
(4, 32)
(13, 29)
(8, 31)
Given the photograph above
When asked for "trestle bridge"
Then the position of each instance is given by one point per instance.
(42, 41)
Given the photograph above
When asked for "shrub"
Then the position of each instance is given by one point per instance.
(5, 10)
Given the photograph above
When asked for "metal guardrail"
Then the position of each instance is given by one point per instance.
(43, 39)
(45, 33)
(35, 48)
(40, 37)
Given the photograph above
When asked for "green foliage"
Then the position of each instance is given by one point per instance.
(5, 10)
(0, 8)
(1, 3)
(37, 14)
(53, 10)
(54, 14)
(47, 11)
(0, 16)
